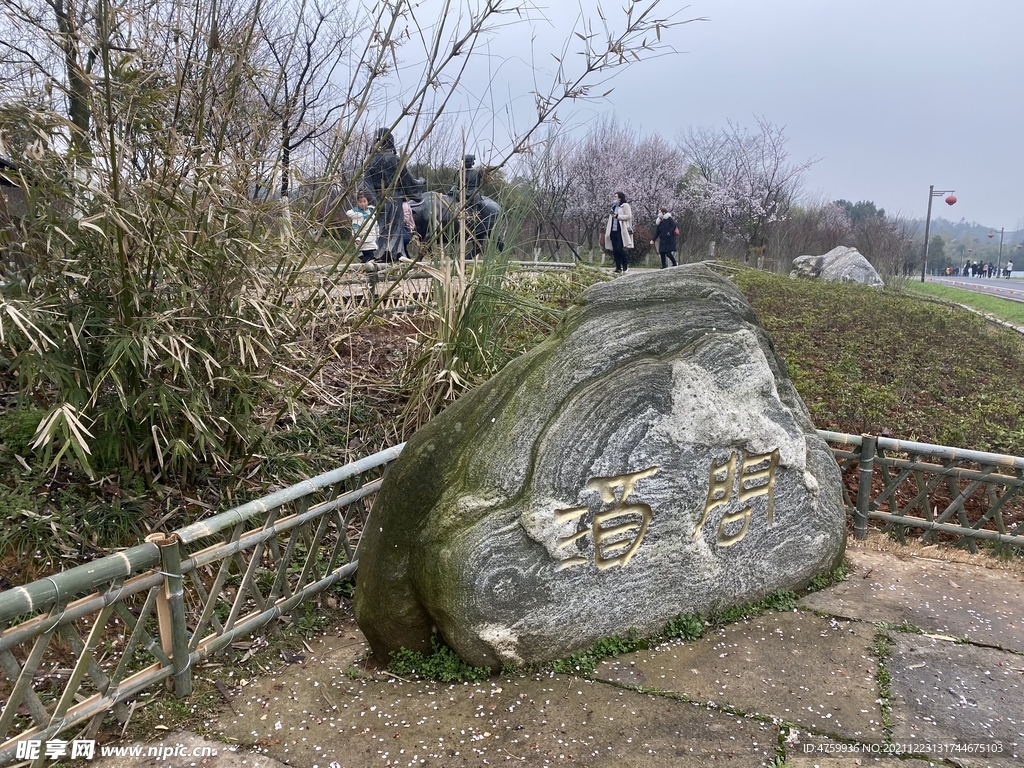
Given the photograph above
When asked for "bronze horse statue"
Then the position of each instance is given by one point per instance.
(436, 216)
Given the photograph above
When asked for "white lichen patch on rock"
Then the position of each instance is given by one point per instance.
(726, 405)
(502, 640)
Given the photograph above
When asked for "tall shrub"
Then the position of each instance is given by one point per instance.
(159, 299)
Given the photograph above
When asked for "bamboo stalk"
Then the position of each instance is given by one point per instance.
(171, 613)
(941, 451)
(43, 594)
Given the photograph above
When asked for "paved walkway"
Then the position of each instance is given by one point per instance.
(908, 654)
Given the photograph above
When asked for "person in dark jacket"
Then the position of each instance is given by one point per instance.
(390, 182)
(665, 234)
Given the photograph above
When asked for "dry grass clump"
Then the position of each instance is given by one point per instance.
(879, 542)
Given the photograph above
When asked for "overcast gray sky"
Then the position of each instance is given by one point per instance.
(889, 95)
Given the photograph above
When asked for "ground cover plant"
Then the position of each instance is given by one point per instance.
(888, 363)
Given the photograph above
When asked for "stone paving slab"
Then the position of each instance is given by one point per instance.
(953, 599)
(794, 666)
(946, 693)
(326, 720)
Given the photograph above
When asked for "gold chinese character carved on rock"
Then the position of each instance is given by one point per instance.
(614, 544)
(754, 469)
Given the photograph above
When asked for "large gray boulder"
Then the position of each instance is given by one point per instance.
(842, 264)
(652, 458)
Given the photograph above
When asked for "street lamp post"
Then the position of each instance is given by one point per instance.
(999, 259)
(933, 192)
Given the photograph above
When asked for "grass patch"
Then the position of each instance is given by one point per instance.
(825, 580)
(686, 626)
(882, 650)
(1003, 309)
(17, 427)
(780, 600)
(585, 662)
(904, 626)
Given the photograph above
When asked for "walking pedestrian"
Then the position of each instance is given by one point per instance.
(408, 224)
(666, 232)
(618, 231)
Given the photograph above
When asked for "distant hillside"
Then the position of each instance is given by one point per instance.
(964, 231)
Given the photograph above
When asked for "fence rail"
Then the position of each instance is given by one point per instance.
(955, 495)
(386, 287)
(82, 642)
(78, 644)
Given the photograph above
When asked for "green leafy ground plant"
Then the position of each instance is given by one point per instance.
(441, 664)
(886, 363)
(883, 650)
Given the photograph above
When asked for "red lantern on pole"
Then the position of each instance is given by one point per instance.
(951, 200)
(991, 235)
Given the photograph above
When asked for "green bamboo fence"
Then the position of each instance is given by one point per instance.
(75, 645)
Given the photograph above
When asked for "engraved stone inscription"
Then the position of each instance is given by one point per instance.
(756, 477)
(616, 532)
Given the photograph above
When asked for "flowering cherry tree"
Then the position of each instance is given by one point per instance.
(615, 158)
(738, 183)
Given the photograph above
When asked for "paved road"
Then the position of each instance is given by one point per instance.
(1012, 289)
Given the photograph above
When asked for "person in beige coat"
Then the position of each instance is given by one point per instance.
(618, 231)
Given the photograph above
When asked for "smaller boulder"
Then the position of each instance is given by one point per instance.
(807, 266)
(842, 264)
